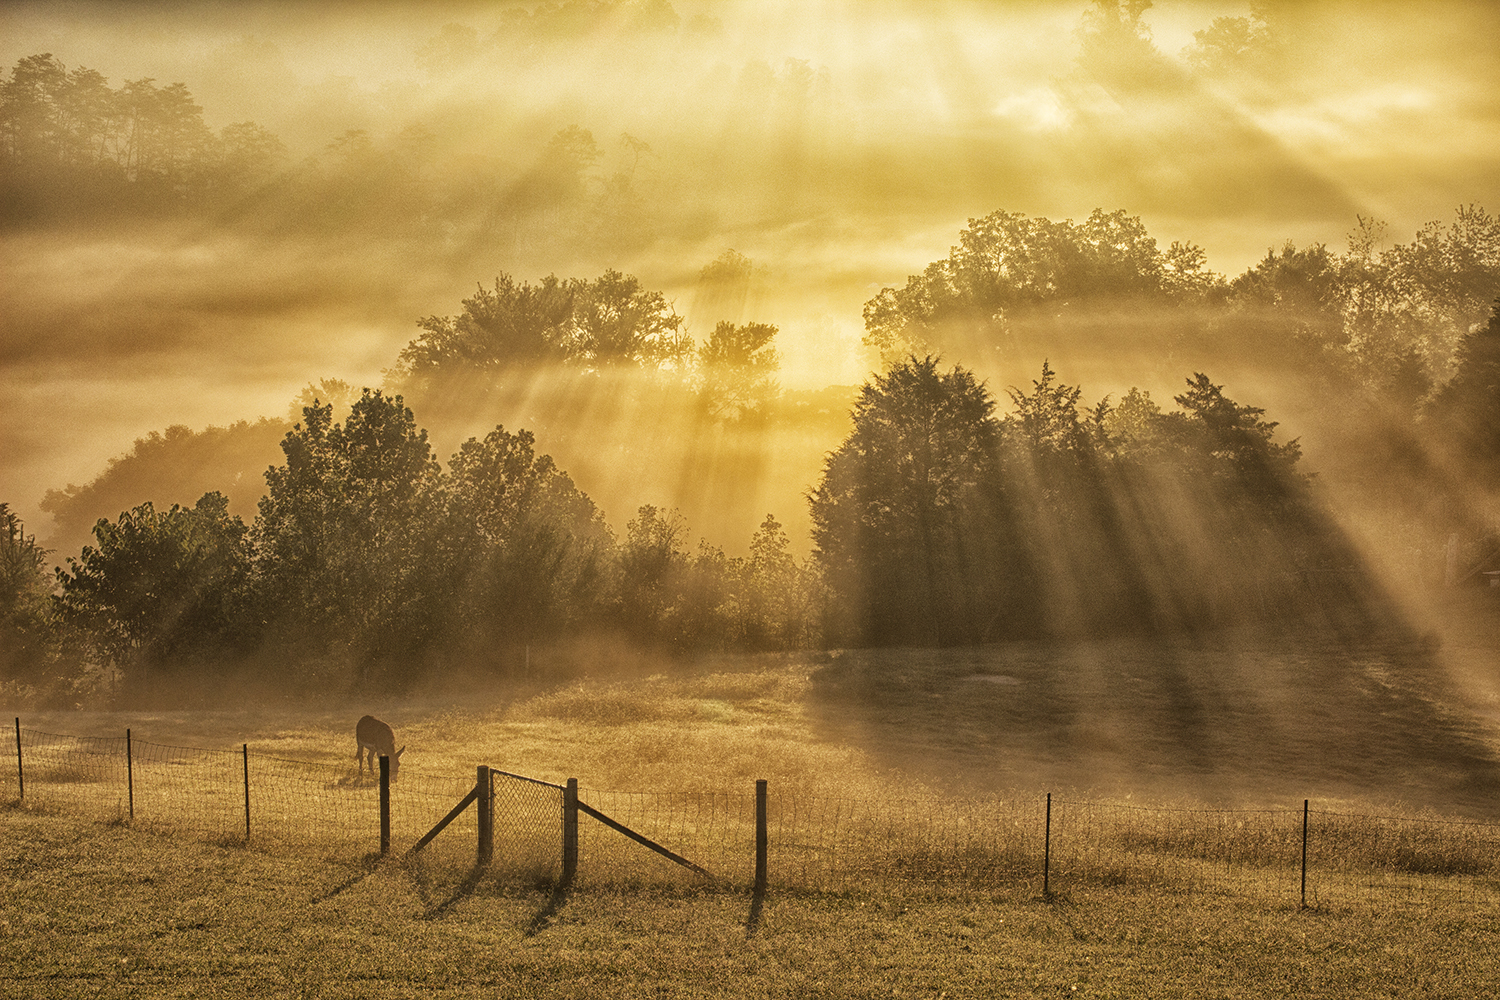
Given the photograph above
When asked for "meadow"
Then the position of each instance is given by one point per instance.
(95, 911)
(1229, 725)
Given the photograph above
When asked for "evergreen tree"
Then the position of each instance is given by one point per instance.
(350, 555)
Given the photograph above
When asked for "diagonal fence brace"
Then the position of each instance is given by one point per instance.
(645, 841)
(467, 801)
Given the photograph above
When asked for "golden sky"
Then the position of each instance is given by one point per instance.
(839, 145)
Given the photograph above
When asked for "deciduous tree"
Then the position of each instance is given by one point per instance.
(1006, 264)
(616, 322)
(162, 590)
(737, 371)
(530, 547)
(1464, 416)
(349, 553)
(28, 627)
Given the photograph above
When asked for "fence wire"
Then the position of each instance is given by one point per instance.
(816, 843)
(296, 802)
(843, 844)
(714, 830)
(1103, 843)
(1353, 857)
(188, 790)
(82, 775)
(528, 828)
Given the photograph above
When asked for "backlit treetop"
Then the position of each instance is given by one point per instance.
(1007, 262)
(609, 322)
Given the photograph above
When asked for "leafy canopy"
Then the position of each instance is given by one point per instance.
(1007, 262)
(610, 322)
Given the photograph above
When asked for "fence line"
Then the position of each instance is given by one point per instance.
(780, 839)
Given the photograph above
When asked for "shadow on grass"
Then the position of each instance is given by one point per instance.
(462, 891)
(1243, 712)
(370, 863)
(752, 922)
(544, 917)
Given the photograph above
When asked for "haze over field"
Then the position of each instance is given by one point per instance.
(840, 147)
(1096, 393)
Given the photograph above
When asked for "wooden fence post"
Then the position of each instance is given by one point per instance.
(1304, 854)
(486, 805)
(762, 841)
(385, 805)
(570, 832)
(129, 775)
(1047, 853)
(20, 770)
(245, 749)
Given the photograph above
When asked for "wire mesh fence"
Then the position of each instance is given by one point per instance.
(842, 844)
(528, 825)
(82, 775)
(1356, 856)
(815, 843)
(1116, 844)
(326, 806)
(188, 789)
(715, 830)
(222, 795)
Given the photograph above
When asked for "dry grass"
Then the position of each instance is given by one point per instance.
(1405, 907)
(713, 725)
(104, 911)
(914, 760)
(1235, 719)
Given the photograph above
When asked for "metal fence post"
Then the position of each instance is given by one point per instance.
(245, 749)
(486, 804)
(1304, 854)
(129, 774)
(20, 770)
(570, 831)
(385, 805)
(1047, 852)
(762, 841)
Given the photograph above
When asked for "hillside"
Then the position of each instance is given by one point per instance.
(1220, 717)
(1234, 717)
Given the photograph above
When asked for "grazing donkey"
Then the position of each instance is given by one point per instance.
(376, 737)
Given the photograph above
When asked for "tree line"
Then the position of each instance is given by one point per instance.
(608, 323)
(69, 143)
(1371, 321)
(936, 521)
(73, 146)
(370, 563)
(1380, 342)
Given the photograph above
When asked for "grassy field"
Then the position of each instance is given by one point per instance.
(102, 911)
(1243, 717)
(1359, 723)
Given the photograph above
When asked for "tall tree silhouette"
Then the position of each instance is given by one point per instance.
(1464, 415)
(907, 521)
(349, 553)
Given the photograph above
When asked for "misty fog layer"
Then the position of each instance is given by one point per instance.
(840, 147)
(1106, 387)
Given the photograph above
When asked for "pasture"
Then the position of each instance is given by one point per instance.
(1365, 725)
(101, 911)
